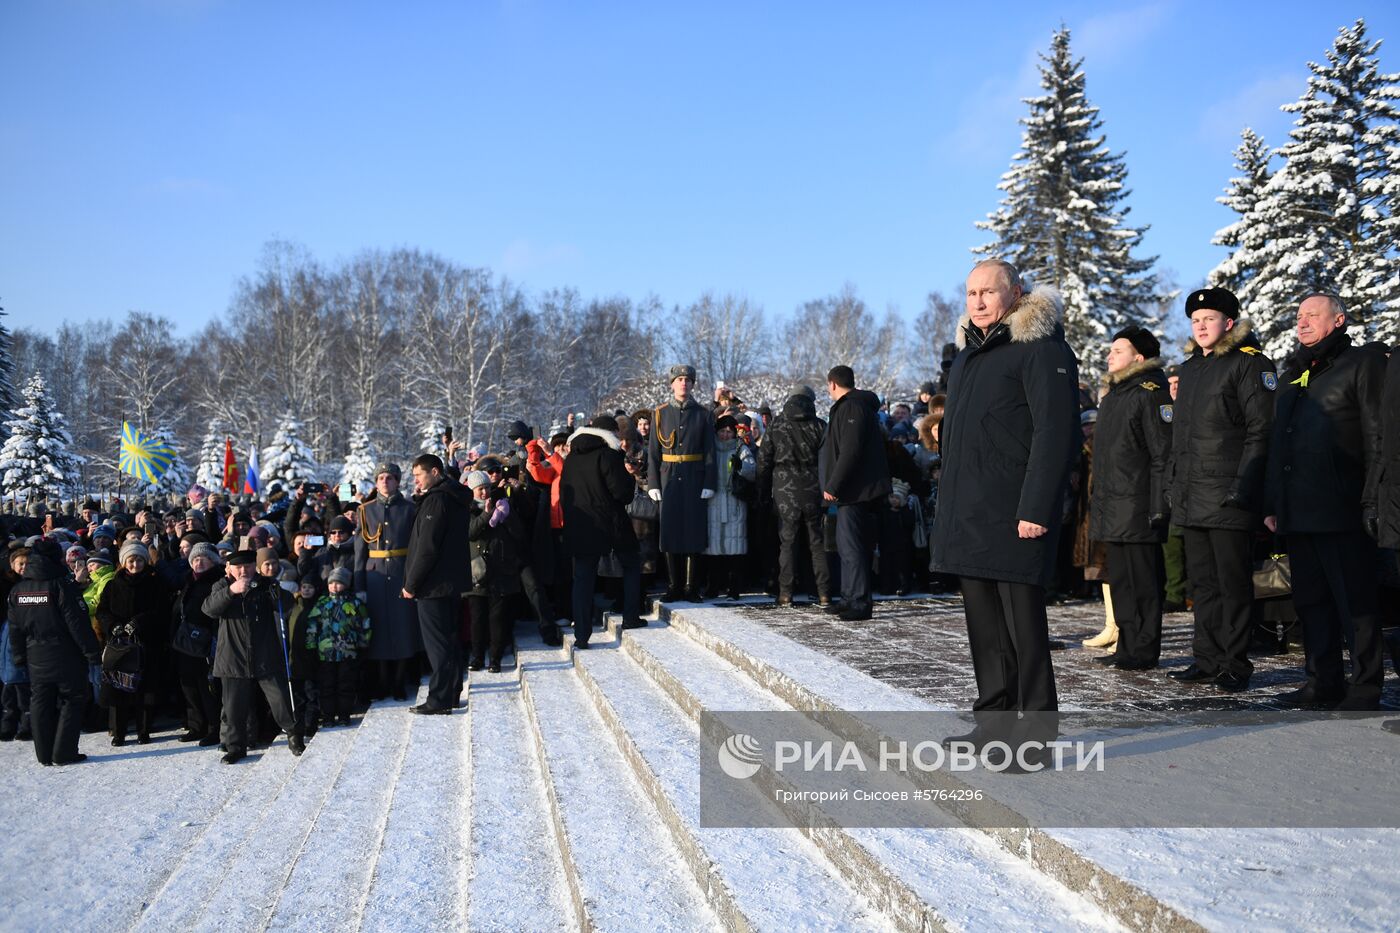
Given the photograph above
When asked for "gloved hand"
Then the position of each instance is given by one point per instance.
(1371, 521)
(1158, 521)
(655, 494)
(362, 596)
(707, 494)
(1233, 500)
(499, 513)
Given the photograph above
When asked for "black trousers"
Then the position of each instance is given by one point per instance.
(586, 584)
(336, 684)
(490, 626)
(856, 526)
(438, 622)
(1335, 594)
(238, 701)
(1222, 587)
(201, 692)
(56, 719)
(306, 704)
(1009, 634)
(790, 525)
(1137, 579)
(535, 595)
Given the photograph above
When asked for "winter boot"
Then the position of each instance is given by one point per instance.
(1108, 638)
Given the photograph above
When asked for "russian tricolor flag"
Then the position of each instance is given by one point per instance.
(251, 481)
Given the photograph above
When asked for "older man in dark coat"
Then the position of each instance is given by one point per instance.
(594, 492)
(681, 475)
(1324, 465)
(1009, 436)
(381, 554)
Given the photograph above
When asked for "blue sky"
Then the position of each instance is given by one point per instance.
(149, 149)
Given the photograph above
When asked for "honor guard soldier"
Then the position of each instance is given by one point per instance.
(381, 552)
(681, 475)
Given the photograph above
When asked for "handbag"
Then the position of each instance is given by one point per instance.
(643, 507)
(121, 660)
(1273, 578)
(740, 486)
(193, 638)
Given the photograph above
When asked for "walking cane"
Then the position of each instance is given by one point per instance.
(286, 657)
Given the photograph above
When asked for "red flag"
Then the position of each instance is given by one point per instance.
(230, 467)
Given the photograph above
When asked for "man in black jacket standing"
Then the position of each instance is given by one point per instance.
(857, 479)
(50, 632)
(1132, 448)
(1010, 434)
(1220, 438)
(437, 573)
(1324, 468)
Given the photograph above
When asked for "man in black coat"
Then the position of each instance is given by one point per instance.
(1009, 436)
(787, 461)
(1128, 511)
(682, 474)
(251, 651)
(1220, 436)
(50, 632)
(1324, 467)
(437, 573)
(594, 492)
(1388, 479)
(857, 479)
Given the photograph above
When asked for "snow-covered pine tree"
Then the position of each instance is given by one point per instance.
(430, 437)
(287, 460)
(1245, 237)
(1063, 219)
(1333, 207)
(176, 479)
(359, 462)
(36, 459)
(210, 471)
(7, 367)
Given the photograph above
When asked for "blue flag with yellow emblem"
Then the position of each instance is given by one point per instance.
(144, 457)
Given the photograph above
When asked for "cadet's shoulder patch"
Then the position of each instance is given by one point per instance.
(1270, 380)
(1166, 412)
(1149, 385)
(1252, 351)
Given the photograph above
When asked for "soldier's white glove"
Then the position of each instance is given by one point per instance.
(362, 597)
(655, 494)
(707, 494)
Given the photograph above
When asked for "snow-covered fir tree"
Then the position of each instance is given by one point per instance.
(359, 462)
(36, 459)
(210, 471)
(1244, 237)
(430, 437)
(1063, 219)
(1332, 210)
(7, 367)
(287, 460)
(176, 478)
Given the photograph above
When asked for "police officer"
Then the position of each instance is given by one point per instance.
(681, 475)
(1220, 438)
(50, 632)
(1128, 511)
(1324, 464)
(250, 652)
(381, 551)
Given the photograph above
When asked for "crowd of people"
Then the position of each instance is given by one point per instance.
(233, 618)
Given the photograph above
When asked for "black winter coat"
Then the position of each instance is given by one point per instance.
(143, 602)
(1220, 433)
(49, 627)
(249, 640)
(189, 602)
(856, 469)
(788, 458)
(1009, 437)
(1132, 450)
(439, 563)
(594, 493)
(318, 564)
(1388, 479)
(1325, 450)
(499, 547)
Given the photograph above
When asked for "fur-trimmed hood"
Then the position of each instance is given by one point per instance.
(607, 437)
(1231, 340)
(1133, 369)
(1034, 316)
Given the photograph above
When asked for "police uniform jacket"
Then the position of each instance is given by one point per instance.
(49, 627)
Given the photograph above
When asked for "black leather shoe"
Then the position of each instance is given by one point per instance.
(190, 737)
(296, 745)
(1128, 664)
(1232, 683)
(208, 740)
(854, 615)
(635, 623)
(118, 741)
(1192, 675)
(1104, 659)
(495, 668)
(80, 757)
(1308, 698)
(475, 666)
(976, 738)
(423, 709)
(580, 645)
(233, 756)
(833, 608)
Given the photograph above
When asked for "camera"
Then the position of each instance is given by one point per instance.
(314, 488)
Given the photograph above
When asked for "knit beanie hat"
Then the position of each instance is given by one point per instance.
(207, 550)
(340, 575)
(265, 554)
(133, 549)
(477, 479)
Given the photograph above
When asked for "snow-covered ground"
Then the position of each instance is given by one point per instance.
(568, 798)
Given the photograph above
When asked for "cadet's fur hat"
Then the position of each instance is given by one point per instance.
(1142, 340)
(1216, 299)
(679, 370)
(388, 467)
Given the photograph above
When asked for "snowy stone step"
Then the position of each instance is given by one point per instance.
(761, 879)
(949, 876)
(331, 877)
(623, 868)
(248, 890)
(420, 872)
(517, 875)
(211, 844)
(807, 679)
